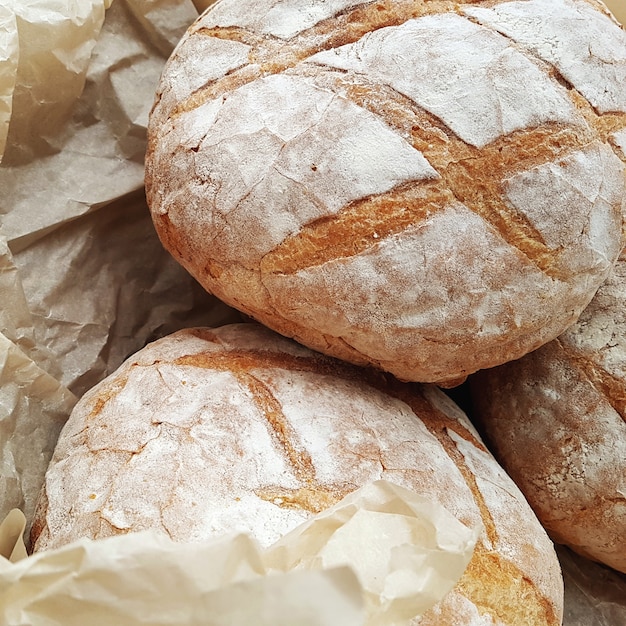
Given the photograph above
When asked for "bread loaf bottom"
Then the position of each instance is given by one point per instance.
(210, 431)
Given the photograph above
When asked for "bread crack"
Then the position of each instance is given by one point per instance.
(273, 55)
(612, 388)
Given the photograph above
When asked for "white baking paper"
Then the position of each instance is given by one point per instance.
(33, 409)
(12, 547)
(55, 40)
(407, 551)
(378, 558)
(595, 595)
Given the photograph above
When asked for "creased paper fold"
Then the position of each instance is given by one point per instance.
(33, 408)
(82, 91)
(54, 45)
(407, 551)
(9, 56)
(144, 579)
(12, 529)
(380, 557)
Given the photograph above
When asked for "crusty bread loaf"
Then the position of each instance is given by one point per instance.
(211, 431)
(556, 420)
(430, 187)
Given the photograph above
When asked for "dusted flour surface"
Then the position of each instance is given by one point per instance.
(237, 429)
(556, 419)
(429, 188)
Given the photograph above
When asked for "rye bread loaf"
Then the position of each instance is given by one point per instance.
(556, 420)
(211, 431)
(428, 187)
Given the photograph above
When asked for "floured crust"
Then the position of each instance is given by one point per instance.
(431, 188)
(557, 421)
(590, 57)
(211, 431)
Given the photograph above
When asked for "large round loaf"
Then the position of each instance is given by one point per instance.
(556, 420)
(212, 431)
(428, 187)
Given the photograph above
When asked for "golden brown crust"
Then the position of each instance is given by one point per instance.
(506, 598)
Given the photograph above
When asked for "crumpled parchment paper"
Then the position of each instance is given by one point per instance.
(85, 280)
(144, 579)
(317, 574)
(595, 595)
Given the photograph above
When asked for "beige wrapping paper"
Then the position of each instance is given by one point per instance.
(595, 595)
(84, 283)
(33, 409)
(9, 56)
(95, 282)
(618, 8)
(202, 5)
(107, 288)
(317, 574)
(416, 550)
(12, 529)
(71, 146)
(144, 579)
(161, 20)
(55, 42)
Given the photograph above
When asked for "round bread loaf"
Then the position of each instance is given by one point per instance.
(431, 188)
(556, 420)
(211, 431)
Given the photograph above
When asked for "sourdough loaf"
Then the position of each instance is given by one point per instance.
(430, 187)
(212, 431)
(556, 420)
